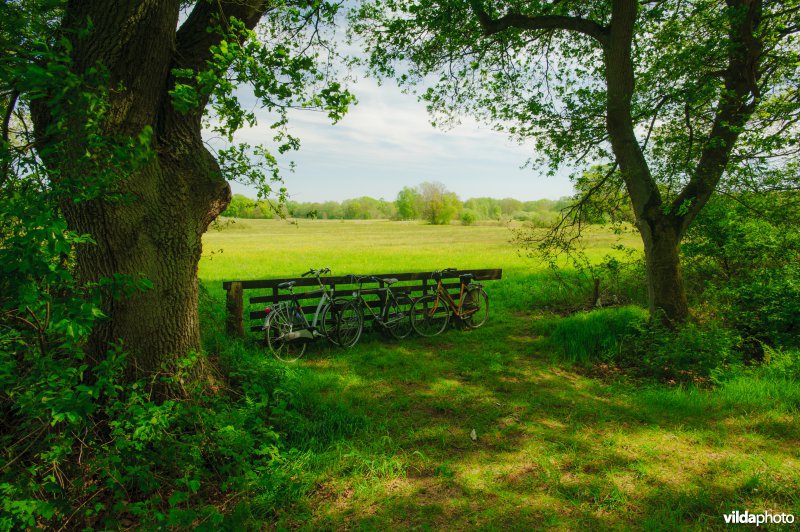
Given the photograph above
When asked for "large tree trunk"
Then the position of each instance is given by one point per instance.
(155, 231)
(157, 236)
(665, 289)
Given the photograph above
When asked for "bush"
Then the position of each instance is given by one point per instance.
(626, 338)
(468, 217)
(745, 269)
(690, 352)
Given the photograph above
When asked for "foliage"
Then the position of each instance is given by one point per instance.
(409, 204)
(673, 98)
(741, 259)
(439, 206)
(287, 62)
(468, 217)
(625, 338)
(689, 353)
(503, 78)
(88, 447)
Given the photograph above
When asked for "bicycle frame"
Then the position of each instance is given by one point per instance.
(380, 317)
(442, 294)
(309, 330)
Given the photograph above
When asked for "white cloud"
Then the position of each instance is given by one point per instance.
(386, 142)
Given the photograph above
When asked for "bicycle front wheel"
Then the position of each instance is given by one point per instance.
(398, 316)
(350, 323)
(429, 315)
(280, 324)
(475, 307)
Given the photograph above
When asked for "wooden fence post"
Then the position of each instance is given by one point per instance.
(234, 304)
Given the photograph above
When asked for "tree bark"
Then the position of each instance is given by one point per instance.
(156, 232)
(665, 289)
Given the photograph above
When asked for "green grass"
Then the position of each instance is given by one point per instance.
(585, 336)
(381, 433)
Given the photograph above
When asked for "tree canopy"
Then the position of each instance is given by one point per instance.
(681, 97)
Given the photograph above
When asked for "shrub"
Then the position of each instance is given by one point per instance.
(744, 268)
(626, 338)
(685, 354)
(468, 217)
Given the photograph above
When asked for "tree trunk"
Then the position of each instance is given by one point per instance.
(155, 231)
(666, 294)
(665, 289)
(158, 237)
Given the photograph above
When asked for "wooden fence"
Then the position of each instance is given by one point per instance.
(266, 292)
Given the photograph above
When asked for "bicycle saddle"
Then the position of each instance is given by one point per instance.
(390, 281)
(287, 284)
(466, 278)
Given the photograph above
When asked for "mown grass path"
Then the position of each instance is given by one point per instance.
(385, 437)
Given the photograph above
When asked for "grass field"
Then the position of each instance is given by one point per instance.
(381, 433)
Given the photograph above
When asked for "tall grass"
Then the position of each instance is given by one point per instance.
(586, 337)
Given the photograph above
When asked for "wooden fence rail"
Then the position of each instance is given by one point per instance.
(414, 284)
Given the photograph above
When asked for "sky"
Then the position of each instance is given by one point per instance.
(386, 142)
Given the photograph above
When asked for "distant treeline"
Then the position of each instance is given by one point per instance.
(431, 202)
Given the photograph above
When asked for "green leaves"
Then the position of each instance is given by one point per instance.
(286, 64)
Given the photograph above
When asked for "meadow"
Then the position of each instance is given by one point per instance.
(379, 435)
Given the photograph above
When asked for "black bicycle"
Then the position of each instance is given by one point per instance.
(393, 313)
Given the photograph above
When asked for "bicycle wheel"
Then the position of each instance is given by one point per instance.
(327, 323)
(429, 315)
(350, 323)
(475, 307)
(280, 323)
(398, 316)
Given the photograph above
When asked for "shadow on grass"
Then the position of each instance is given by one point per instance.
(550, 448)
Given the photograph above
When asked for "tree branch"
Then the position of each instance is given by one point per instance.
(737, 103)
(542, 22)
(193, 41)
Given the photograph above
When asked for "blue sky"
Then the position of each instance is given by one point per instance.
(386, 142)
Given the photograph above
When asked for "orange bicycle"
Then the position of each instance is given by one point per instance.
(431, 313)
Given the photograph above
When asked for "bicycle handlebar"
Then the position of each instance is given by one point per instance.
(442, 272)
(319, 272)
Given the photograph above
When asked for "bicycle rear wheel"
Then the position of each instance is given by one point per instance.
(328, 322)
(429, 315)
(475, 307)
(280, 323)
(350, 323)
(398, 316)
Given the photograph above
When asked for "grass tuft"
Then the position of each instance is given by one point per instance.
(587, 337)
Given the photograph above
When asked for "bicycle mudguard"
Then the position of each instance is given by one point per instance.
(301, 335)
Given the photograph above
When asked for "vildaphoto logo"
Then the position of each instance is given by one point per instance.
(764, 518)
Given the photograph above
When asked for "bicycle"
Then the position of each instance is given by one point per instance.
(392, 316)
(287, 330)
(431, 313)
